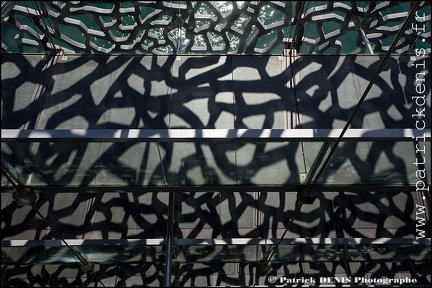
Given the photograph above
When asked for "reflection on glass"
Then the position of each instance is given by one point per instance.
(208, 27)
(210, 163)
(380, 162)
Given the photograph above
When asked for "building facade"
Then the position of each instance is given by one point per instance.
(215, 143)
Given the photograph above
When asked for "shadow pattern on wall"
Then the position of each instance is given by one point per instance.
(211, 215)
(205, 92)
(107, 92)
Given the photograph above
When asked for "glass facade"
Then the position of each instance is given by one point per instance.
(215, 143)
(213, 27)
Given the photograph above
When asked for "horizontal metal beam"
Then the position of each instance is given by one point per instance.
(365, 188)
(199, 135)
(217, 242)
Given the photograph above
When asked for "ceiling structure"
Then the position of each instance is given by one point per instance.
(212, 27)
(215, 143)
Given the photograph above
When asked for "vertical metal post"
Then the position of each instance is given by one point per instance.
(296, 42)
(169, 240)
(176, 274)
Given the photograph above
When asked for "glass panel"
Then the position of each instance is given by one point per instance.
(216, 163)
(188, 163)
(360, 27)
(201, 163)
(37, 255)
(307, 253)
(331, 253)
(388, 252)
(111, 254)
(267, 163)
(95, 254)
(208, 27)
(380, 163)
(63, 163)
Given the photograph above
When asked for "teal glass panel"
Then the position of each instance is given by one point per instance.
(221, 27)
